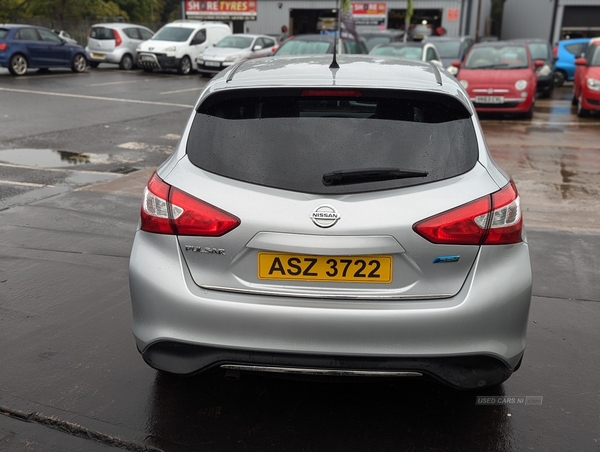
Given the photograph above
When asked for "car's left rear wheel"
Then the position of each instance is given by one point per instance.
(79, 63)
(18, 65)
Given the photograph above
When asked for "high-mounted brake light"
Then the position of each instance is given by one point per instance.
(117, 36)
(495, 219)
(331, 93)
(168, 210)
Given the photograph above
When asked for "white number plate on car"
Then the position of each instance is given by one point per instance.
(489, 99)
(212, 63)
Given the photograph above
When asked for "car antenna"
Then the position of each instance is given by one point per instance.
(334, 64)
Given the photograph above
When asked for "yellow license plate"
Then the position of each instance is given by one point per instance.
(98, 55)
(293, 267)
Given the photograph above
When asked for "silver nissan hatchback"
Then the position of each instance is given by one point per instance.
(331, 220)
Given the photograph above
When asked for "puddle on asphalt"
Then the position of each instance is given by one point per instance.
(554, 110)
(49, 158)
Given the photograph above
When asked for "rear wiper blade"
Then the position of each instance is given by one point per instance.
(361, 176)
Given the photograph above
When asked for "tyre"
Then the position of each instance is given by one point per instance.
(18, 64)
(185, 66)
(581, 112)
(79, 63)
(560, 77)
(94, 64)
(126, 62)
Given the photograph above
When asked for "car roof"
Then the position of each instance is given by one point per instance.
(11, 26)
(355, 71)
(250, 35)
(447, 38)
(498, 44)
(527, 40)
(118, 25)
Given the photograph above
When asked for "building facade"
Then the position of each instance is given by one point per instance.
(550, 19)
(456, 17)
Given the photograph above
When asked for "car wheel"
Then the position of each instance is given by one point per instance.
(94, 64)
(126, 62)
(79, 63)
(581, 112)
(185, 66)
(560, 77)
(574, 99)
(18, 64)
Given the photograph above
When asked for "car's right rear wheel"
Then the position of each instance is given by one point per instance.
(18, 64)
(126, 62)
(560, 77)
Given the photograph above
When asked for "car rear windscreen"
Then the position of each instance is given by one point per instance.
(302, 140)
(102, 33)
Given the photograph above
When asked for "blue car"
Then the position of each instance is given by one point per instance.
(567, 51)
(24, 46)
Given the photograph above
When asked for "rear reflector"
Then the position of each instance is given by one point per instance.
(331, 93)
(495, 219)
(168, 210)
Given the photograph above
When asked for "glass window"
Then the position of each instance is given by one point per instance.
(431, 54)
(200, 36)
(576, 49)
(145, 34)
(132, 33)
(497, 57)
(235, 42)
(27, 34)
(173, 34)
(448, 49)
(287, 140)
(48, 36)
(3, 33)
(102, 33)
(268, 43)
(539, 50)
(300, 47)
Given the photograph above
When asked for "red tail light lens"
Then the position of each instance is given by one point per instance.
(555, 51)
(3, 47)
(492, 220)
(117, 36)
(168, 210)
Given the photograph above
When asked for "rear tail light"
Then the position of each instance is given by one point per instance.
(168, 210)
(3, 47)
(495, 219)
(117, 36)
(555, 51)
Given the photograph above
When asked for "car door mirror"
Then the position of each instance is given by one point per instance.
(257, 47)
(580, 62)
(456, 64)
(538, 63)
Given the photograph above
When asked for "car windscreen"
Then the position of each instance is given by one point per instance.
(292, 139)
(372, 41)
(539, 51)
(102, 33)
(301, 47)
(497, 57)
(174, 34)
(408, 52)
(235, 42)
(448, 49)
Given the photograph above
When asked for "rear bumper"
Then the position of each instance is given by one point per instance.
(104, 57)
(202, 67)
(510, 105)
(480, 332)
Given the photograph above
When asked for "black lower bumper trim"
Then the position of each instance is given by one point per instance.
(463, 372)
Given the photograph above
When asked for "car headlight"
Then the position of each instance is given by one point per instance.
(464, 84)
(521, 85)
(233, 58)
(171, 49)
(545, 70)
(593, 83)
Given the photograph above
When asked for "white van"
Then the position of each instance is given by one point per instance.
(176, 45)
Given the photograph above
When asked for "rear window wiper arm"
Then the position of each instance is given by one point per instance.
(361, 176)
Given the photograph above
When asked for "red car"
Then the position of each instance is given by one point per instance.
(586, 85)
(500, 77)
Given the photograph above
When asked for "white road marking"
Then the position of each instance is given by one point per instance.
(183, 90)
(108, 99)
(113, 83)
(24, 184)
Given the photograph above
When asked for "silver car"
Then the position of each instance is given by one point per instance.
(336, 221)
(233, 49)
(116, 43)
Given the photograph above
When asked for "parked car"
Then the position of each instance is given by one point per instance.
(500, 77)
(566, 52)
(420, 31)
(374, 38)
(116, 44)
(24, 46)
(234, 48)
(349, 223)
(319, 45)
(178, 45)
(451, 49)
(586, 83)
(418, 51)
(62, 34)
(541, 50)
